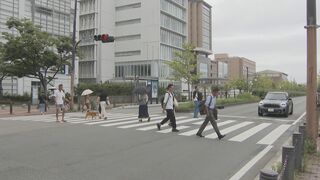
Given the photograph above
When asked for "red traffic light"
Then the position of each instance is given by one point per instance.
(104, 37)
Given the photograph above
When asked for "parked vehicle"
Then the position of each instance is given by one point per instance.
(276, 103)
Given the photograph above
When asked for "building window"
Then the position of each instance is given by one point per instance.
(128, 22)
(127, 53)
(123, 71)
(128, 6)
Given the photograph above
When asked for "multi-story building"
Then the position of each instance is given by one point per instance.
(238, 67)
(275, 76)
(54, 17)
(147, 33)
(200, 35)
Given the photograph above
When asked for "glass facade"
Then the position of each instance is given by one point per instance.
(141, 70)
(222, 70)
(87, 29)
(8, 8)
(173, 31)
(206, 26)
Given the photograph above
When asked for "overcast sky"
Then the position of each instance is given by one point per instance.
(269, 32)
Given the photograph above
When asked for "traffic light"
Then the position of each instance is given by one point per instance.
(105, 38)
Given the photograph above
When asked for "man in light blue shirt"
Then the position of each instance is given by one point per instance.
(211, 113)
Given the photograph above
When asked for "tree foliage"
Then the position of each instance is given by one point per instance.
(237, 83)
(262, 82)
(184, 66)
(34, 53)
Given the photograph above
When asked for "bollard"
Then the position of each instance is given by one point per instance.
(29, 107)
(288, 162)
(11, 108)
(297, 142)
(268, 175)
(302, 130)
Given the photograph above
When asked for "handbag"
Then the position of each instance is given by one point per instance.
(175, 102)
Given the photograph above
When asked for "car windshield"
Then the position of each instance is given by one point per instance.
(276, 96)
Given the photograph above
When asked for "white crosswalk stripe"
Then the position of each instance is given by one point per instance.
(274, 135)
(208, 127)
(248, 133)
(178, 122)
(169, 129)
(229, 129)
(237, 130)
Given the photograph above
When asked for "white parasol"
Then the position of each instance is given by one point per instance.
(86, 92)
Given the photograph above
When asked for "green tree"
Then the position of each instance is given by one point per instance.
(34, 53)
(262, 83)
(184, 66)
(238, 83)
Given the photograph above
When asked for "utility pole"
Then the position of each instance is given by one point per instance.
(311, 112)
(74, 44)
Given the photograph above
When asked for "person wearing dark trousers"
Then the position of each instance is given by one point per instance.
(211, 114)
(197, 98)
(169, 107)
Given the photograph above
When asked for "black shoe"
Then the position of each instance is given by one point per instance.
(140, 120)
(222, 136)
(159, 126)
(149, 119)
(200, 135)
(175, 130)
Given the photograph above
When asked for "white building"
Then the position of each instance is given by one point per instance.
(147, 32)
(54, 16)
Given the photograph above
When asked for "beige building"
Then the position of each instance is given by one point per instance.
(238, 67)
(275, 76)
(200, 35)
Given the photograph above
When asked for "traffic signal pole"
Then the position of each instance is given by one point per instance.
(311, 112)
(74, 44)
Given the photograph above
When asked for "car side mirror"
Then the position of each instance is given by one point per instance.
(289, 99)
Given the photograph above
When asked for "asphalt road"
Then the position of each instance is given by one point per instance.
(121, 148)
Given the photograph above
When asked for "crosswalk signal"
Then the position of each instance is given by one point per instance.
(105, 38)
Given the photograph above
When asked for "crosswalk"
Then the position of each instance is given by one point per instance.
(237, 130)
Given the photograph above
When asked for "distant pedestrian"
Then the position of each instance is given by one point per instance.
(59, 98)
(169, 101)
(87, 102)
(143, 105)
(211, 113)
(103, 100)
(197, 98)
(42, 104)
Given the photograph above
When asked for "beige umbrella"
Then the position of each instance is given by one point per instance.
(86, 92)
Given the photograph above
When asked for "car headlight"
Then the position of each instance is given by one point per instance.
(260, 103)
(283, 104)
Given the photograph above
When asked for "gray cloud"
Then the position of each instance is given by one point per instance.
(269, 32)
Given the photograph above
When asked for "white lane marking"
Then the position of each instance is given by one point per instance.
(281, 120)
(169, 129)
(126, 122)
(248, 133)
(229, 129)
(302, 115)
(274, 135)
(208, 127)
(154, 126)
(251, 163)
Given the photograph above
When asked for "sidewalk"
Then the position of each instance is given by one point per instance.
(312, 171)
(23, 111)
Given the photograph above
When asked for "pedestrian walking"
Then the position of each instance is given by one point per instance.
(211, 113)
(59, 98)
(42, 104)
(197, 98)
(102, 99)
(169, 101)
(143, 105)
